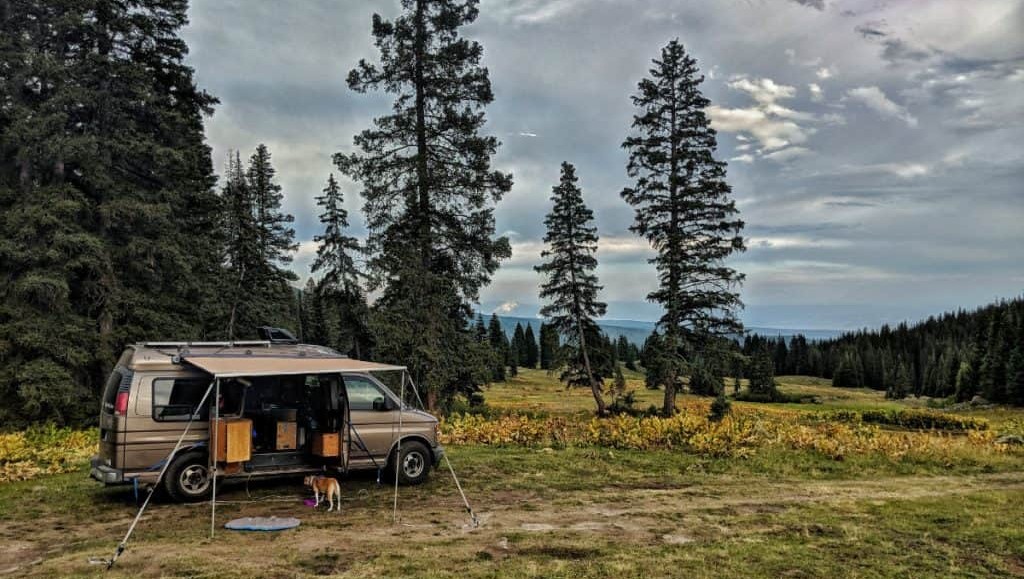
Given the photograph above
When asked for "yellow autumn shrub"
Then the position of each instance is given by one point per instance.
(43, 450)
(738, 435)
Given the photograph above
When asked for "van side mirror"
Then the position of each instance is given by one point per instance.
(380, 405)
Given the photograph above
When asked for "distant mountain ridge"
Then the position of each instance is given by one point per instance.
(792, 318)
(636, 331)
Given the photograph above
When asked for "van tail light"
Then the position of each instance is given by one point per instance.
(121, 404)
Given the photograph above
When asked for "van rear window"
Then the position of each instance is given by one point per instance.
(119, 381)
(177, 399)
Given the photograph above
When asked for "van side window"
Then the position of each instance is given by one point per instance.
(176, 399)
(361, 392)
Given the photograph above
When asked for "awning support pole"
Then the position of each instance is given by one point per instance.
(398, 448)
(159, 477)
(472, 516)
(213, 453)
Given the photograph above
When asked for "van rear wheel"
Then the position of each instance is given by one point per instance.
(414, 459)
(188, 478)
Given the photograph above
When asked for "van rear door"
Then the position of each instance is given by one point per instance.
(113, 409)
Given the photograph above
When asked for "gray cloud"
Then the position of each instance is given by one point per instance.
(876, 161)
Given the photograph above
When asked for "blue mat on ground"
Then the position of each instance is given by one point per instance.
(262, 524)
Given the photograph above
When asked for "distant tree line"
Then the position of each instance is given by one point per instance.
(523, 349)
(959, 354)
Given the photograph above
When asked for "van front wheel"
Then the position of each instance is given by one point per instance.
(188, 478)
(414, 463)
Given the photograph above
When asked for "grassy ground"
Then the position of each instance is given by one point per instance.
(538, 391)
(573, 512)
(558, 513)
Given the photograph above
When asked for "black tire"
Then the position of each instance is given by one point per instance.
(187, 480)
(416, 462)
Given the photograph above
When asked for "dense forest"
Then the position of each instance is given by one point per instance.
(961, 354)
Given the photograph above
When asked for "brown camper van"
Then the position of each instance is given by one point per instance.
(278, 409)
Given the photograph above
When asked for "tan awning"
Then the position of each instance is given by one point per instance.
(236, 366)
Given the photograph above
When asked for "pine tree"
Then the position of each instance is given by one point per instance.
(720, 406)
(570, 285)
(1015, 377)
(429, 191)
(966, 382)
(900, 385)
(259, 247)
(683, 208)
(340, 277)
(241, 254)
(549, 346)
(519, 343)
(992, 372)
(762, 377)
(499, 349)
(314, 326)
(480, 329)
(530, 343)
(512, 359)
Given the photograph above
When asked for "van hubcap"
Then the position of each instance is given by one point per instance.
(194, 479)
(412, 464)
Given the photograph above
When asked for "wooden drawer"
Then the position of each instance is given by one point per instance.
(326, 444)
(286, 435)
(234, 440)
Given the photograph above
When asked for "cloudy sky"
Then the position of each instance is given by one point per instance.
(874, 147)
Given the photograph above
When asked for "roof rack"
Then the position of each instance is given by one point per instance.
(205, 344)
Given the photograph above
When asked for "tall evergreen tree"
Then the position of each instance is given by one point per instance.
(683, 208)
(1015, 377)
(339, 284)
(240, 253)
(429, 191)
(106, 201)
(336, 255)
(499, 348)
(259, 247)
(570, 285)
(549, 345)
(519, 343)
(530, 343)
(314, 327)
(480, 329)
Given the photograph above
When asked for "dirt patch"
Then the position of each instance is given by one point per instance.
(559, 552)
(676, 539)
(1015, 565)
(325, 563)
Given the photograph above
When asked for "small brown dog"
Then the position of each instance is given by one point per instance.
(327, 486)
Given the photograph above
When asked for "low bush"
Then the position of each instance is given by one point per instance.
(924, 419)
(775, 396)
(909, 418)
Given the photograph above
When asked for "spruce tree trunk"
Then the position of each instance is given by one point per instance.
(421, 140)
(668, 406)
(594, 387)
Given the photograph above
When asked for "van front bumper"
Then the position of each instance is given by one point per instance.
(105, 474)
